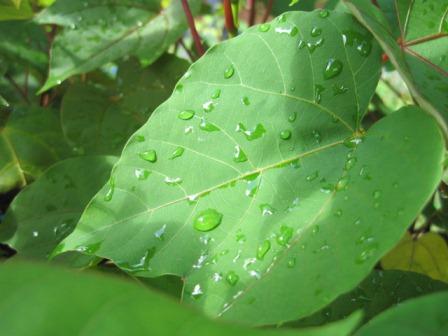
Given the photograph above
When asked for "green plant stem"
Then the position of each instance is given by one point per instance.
(191, 24)
(229, 21)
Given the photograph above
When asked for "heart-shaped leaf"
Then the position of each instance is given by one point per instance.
(248, 175)
(420, 54)
(423, 316)
(98, 119)
(30, 141)
(92, 304)
(99, 31)
(427, 254)
(47, 211)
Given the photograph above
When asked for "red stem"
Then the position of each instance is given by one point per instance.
(230, 24)
(268, 10)
(251, 8)
(194, 32)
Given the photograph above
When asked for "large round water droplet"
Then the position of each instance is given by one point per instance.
(207, 220)
(333, 68)
(285, 135)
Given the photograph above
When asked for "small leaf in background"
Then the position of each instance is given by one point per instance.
(420, 54)
(97, 32)
(30, 142)
(45, 212)
(244, 179)
(426, 315)
(98, 119)
(378, 292)
(92, 304)
(426, 254)
(15, 10)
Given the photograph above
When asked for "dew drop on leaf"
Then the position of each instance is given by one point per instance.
(150, 155)
(316, 31)
(245, 101)
(239, 155)
(333, 68)
(324, 13)
(173, 180)
(291, 262)
(263, 249)
(232, 278)
(141, 173)
(207, 220)
(292, 116)
(285, 135)
(179, 151)
(207, 126)
(285, 235)
(216, 94)
(264, 27)
(229, 71)
(186, 115)
(267, 210)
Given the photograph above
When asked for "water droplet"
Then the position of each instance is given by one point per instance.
(266, 209)
(179, 151)
(197, 292)
(350, 163)
(239, 155)
(232, 278)
(316, 31)
(360, 42)
(364, 173)
(216, 277)
(173, 180)
(327, 188)
(160, 233)
(376, 194)
(333, 68)
(251, 134)
(110, 191)
(291, 262)
(285, 135)
(139, 138)
(141, 174)
(292, 116)
(285, 235)
(318, 89)
(324, 13)
(245, 101)
(253, 182)
(352, 142)
(338, 213)
(342, 183)
(150, 155)
(339, 89)
(264, 27)
(240, 236)
(207, 220)
(301, 44)
(312, 176)
(216, 94)
(291, 31)
(316, 135)
(229, 71)
(186, 115)
(208, 106)
(207, 126)
(366, 254)
(35, 234)
(263, 248)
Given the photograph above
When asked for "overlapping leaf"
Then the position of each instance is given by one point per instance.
(423, 316)
(420, 54)
(378, 292)
(15, 10)
(99, 119)
(47, 211)
(95, 32)
(256, 173)
(427, 254)
(54, 299)
(30, 141)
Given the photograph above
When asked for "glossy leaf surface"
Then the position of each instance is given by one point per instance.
(255, 172)
(420, 54)
(95, 32)
(108, 306)
(47, 211)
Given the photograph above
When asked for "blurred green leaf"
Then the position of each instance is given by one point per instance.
(95, 32)
(15, 10)
(30, 141)
(245, 179)
(421, 53)
(45, 212)
(423, 316)
(55, 300)
(98, 119)
(378, 292)
(427, 254)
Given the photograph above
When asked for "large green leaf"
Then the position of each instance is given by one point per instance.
(255, 173)
(99, 31)
(421, 56)
(98, 119)
(30, 141)
(427, 254)
(379, 291)
(47, 211)
(419, 317)
(55, 300)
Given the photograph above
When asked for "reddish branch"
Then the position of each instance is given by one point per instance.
(268, 10)
(251, 8)
(194, 32)
(228, 15)
(45, 97)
